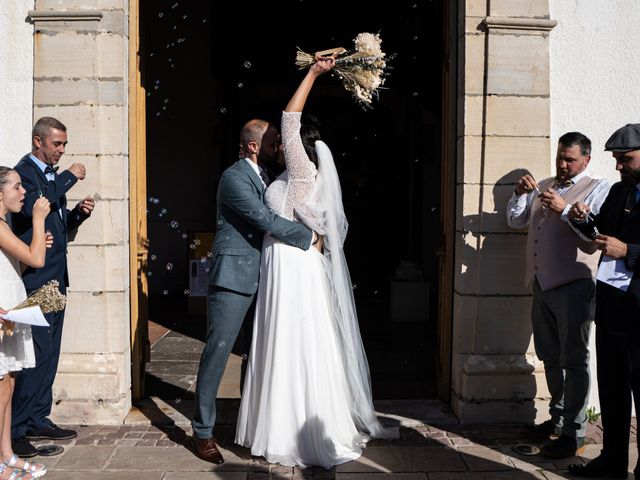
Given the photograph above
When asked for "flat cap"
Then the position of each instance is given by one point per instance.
(624, 139)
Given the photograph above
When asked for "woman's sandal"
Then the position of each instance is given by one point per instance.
(36, 470)
(16, 474)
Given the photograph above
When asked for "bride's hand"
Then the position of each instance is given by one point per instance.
(323, 65)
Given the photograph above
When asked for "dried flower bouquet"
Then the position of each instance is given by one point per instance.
(362, 71)
(47, 297)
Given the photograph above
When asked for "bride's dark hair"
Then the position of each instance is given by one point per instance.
(310, 134)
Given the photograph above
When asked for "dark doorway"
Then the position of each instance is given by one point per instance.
(209, 67)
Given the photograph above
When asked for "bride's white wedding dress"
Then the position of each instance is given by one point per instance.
(297, 408)
(16, 351)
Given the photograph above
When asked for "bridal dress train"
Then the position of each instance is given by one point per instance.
(297, 403)
(16, 351)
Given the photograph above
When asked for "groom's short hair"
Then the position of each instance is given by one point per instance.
(253, 131)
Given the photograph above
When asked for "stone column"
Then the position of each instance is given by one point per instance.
(503, 127)
(81, 57)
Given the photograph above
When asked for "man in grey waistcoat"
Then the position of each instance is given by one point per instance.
(242, 220)
(561, 266)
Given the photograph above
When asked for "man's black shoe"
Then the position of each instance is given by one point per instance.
(23, 448)
(562, 447)
(598, 467)
(52, 432)
(544, 429)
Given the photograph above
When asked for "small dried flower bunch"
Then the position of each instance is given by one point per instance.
(47, 297)
(362, 71)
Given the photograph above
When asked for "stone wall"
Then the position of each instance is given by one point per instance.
(80, 77)
(503, 127)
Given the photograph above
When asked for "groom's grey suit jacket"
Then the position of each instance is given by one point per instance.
(242, 220)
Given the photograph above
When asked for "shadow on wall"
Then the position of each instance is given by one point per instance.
(494, 326)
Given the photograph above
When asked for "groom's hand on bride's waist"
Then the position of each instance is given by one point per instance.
(317, 242)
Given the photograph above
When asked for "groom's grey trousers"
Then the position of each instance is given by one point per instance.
(226, 311)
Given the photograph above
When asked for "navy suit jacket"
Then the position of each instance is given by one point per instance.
(620, 218)
(242, 220)
(36, 184)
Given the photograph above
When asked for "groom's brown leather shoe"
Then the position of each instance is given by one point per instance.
(207, 450)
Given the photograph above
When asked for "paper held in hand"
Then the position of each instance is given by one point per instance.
(614, 272)
(29, 316)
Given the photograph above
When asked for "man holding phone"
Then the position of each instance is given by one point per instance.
(561, 267)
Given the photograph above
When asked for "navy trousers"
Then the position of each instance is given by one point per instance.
(33, 397)
(618, 351)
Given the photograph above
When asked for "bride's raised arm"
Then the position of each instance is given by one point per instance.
(296, 159)
(322, 65)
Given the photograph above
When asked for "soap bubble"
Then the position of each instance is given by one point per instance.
(247, 64)
(174, 224)
(169, 266)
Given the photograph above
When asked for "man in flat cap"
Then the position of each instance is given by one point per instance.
(616, 230)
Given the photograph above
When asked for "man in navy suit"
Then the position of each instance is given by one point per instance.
(242, 221)
(33, 397)
(616, 231)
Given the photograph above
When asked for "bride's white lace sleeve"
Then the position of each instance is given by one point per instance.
(301, 171)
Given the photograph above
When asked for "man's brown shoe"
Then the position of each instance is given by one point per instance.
(207, 450)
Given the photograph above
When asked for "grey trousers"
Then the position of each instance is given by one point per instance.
(226, 310)
(562, 318)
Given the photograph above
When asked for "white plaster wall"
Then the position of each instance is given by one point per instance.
(16, 80)
(595, 80)
(595, 72)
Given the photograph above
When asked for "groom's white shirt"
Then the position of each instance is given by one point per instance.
(258, 169)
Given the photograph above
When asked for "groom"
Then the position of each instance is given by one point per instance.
(242, 220)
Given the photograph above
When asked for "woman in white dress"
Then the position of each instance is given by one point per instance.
(307, 396)
(16, 350)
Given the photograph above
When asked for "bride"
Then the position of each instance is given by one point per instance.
(307, 395)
